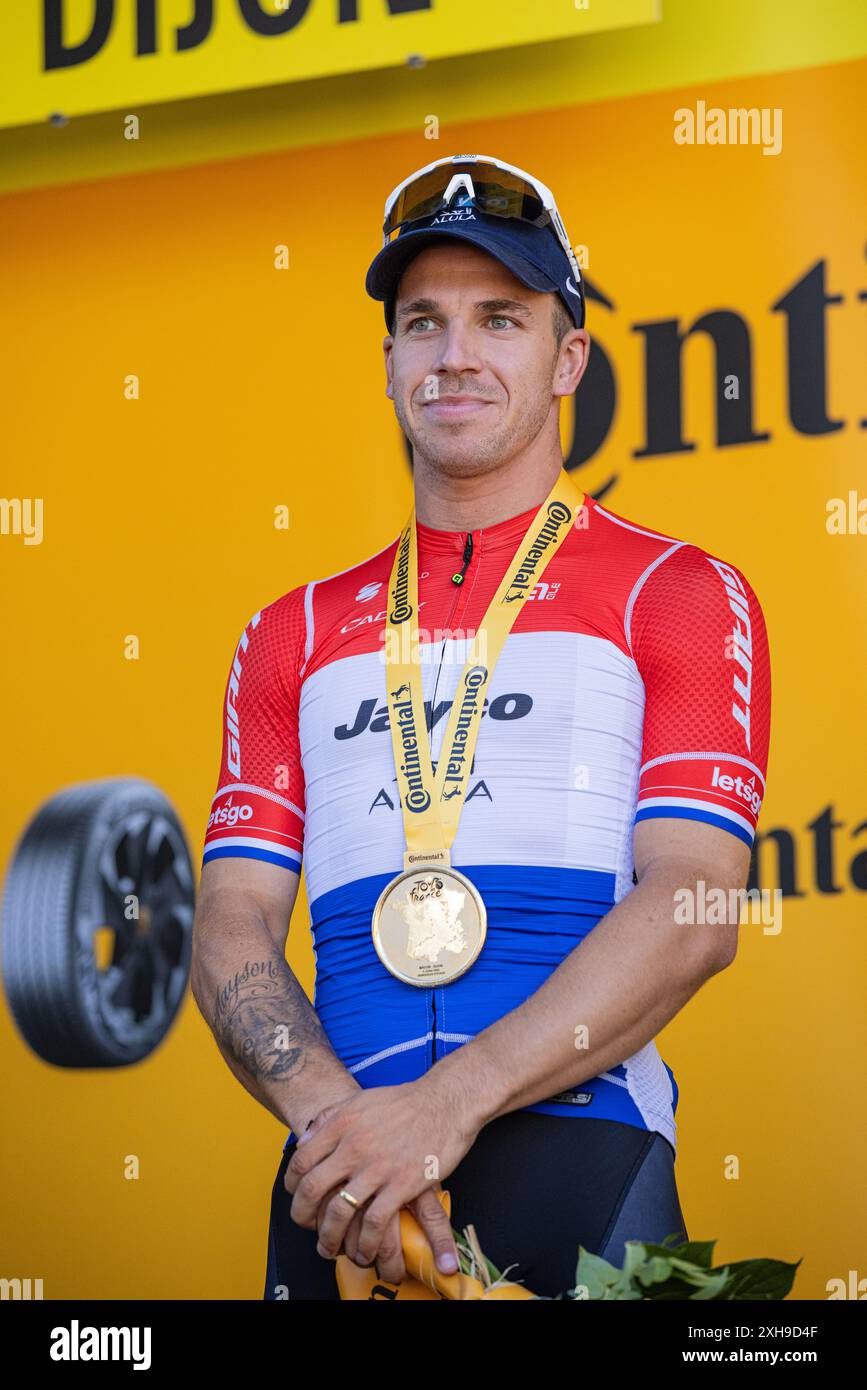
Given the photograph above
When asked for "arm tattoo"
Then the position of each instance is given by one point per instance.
(265, 1020)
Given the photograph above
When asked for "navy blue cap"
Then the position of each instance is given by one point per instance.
(533, 254)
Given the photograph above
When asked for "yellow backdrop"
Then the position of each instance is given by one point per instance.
(261, 387)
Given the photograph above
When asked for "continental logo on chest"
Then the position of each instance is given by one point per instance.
(372, 717)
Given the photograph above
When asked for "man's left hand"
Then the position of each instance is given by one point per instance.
(387, 1146)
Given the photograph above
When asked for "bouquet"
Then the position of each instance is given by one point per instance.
(683, 1271)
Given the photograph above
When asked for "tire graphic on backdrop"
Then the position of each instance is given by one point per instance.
(98, 912)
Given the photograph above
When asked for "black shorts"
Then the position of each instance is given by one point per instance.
(535, 1187)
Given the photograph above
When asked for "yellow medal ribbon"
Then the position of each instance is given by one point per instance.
(432, 805)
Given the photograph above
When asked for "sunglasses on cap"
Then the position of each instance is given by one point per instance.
(494, 187)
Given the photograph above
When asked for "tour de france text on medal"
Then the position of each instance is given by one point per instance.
(430, 921)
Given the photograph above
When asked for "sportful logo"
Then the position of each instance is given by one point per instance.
(233, 728)
(368, 591)
(742, 644)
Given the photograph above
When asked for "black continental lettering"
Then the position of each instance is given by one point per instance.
(804, 306)
(663, 382)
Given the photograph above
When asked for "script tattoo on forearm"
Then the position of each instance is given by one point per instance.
(265, 1020)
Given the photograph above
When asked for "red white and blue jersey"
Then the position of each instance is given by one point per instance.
(634, 684)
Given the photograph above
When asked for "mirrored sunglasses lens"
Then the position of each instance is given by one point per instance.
(497, 192)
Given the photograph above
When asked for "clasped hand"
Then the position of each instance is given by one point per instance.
(389, 1147)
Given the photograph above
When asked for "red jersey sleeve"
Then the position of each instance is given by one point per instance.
(698, 637)
(258, 809)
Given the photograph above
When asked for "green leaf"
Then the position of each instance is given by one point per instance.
(635, 1257)
(679, 1271)
(654, 1271)
(715, 1287)
(762, 1279)
(697, 1252)
(595, 1273)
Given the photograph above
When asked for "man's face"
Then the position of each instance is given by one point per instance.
(473, 367)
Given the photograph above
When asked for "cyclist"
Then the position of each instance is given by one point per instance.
(504, 747)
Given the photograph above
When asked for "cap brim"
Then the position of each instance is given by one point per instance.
(386, 268)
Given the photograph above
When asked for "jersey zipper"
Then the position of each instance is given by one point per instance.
(458, 580)
(468, 555)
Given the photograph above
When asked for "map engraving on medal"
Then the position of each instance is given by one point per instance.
(432, 914)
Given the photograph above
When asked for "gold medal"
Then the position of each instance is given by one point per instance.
(429, 925)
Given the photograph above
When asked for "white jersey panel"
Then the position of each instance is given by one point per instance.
(554, 776)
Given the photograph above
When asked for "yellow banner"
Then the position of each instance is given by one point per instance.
(72, 57)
